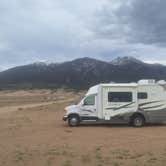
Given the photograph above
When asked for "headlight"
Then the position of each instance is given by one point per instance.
(65, 111)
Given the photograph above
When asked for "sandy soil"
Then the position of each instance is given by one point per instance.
(32, 133)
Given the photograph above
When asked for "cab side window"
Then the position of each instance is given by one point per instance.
(90, 100)
(142, 95)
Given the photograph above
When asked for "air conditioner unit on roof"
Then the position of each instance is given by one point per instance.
(150, 81)
(161, 82)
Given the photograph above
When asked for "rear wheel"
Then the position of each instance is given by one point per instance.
(73, 121)
(138, 121)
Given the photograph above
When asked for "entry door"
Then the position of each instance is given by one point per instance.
(119, 102)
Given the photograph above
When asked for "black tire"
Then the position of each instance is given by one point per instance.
(73, 120)
(138, 121)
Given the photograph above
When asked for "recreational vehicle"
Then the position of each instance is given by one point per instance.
(132, 103)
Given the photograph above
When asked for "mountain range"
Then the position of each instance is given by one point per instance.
(83, 72)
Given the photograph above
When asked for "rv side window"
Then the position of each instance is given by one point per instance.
(90, 100)
(142, 95)
(120, 97)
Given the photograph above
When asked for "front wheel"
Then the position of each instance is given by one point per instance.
(73, 121)
(138, 121)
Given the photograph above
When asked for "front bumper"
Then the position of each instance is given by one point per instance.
(65, 117)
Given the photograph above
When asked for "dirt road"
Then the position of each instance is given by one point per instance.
(7, 109)
(35, 135)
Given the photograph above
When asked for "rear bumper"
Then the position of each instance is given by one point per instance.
(65, 117)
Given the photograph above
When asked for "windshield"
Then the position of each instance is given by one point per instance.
(89, 100)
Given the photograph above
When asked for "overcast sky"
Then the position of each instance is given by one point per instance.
(60, 30)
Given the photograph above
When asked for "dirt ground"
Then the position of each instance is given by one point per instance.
(32, 133)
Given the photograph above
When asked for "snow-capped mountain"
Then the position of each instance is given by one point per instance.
(125, 60)
(83, 72)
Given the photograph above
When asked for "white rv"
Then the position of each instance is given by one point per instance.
(132, 103)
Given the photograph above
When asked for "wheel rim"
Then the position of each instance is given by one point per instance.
(73, 121)
(138, 122)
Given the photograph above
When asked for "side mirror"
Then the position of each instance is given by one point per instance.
(81, 102)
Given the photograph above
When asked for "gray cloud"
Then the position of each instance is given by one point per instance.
(150, 22)
(62, 30)
(134, 21)
(38, 30)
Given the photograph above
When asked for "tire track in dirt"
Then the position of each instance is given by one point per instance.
(8, 109)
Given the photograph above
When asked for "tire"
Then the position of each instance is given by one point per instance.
(73, 121)
(138, 121)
